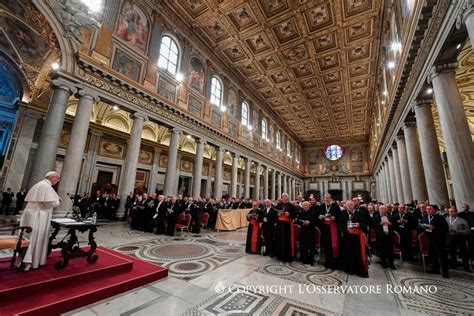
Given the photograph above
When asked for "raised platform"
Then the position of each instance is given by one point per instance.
(48, 291)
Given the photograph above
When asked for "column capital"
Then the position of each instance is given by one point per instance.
(139, 115)
(409, 123)
(32, 114)
(394, 145)
(96, 133)
(88, 94)
(64, 85)
(235, 155)
(175, 130)
(201, 141)
(386, 159)
(400, 136)
(440, 68)
(421, 102)
(467, 9)
(221, 149)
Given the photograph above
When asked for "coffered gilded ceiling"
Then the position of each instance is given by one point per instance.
(313, 62)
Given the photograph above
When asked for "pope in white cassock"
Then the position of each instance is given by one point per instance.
(41, 198)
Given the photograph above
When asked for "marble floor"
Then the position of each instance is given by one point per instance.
(209, 273)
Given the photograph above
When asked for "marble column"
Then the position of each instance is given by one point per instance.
(390, 181)
(154, 171)
(279, 191)
(19, 159)
(393, 181)
(239, 183)
(456, 133)
(404, 170)
(177, 173)
(218, 174)
(285, 187)
(209, 180)
(293, 188)
(382, 184)
(247, 179)
(75, 152)
(170, 176)
(415, 164)
(90, 161)
(468, 19)
(234, 178)
(398, 177)
(265, 183)
(45, 157)
(274, 186)
(129, 168)
(430, 154)
(256, 193)
(197, 171)
(379, 185)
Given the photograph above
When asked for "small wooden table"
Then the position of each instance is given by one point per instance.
(69, 245)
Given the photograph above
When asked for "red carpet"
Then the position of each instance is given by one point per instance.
(48, 291)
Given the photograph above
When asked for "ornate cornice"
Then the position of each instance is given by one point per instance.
(421, 47)
(165, 113)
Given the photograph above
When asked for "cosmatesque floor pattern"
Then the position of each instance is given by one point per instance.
(210, 274)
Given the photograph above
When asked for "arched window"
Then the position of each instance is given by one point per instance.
(245, 114)
(168, 55)
(216, 91)
(278, 140)
(264, 129)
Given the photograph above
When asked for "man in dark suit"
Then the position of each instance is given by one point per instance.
(383, 225)
(404, 223)
(20, 200)
(7, 200)
(436, 229)
(268, 217)
(173, 210)
(160, 214)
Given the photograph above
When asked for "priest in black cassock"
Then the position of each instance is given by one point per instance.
(307, 221)
(254, 239)
(331, 239)
(284, 235)
(355, 258)
(267, 218)
(363, 215)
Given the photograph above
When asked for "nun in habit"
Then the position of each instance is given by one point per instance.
(41, 198)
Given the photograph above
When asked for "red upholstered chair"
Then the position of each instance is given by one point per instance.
(396, 245)
(182, 227)
(204, 219)
(180, 218)
(424, 248)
